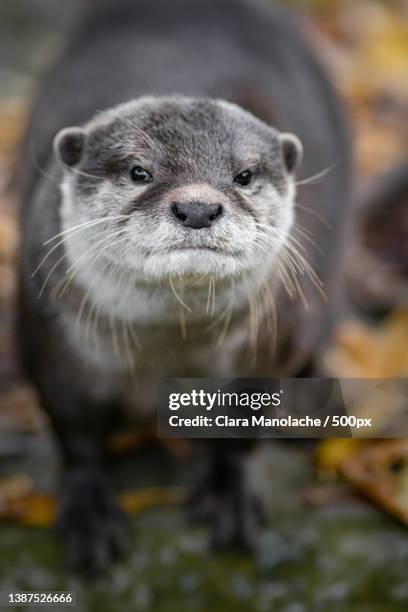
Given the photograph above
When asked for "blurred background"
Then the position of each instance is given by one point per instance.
(338, 526)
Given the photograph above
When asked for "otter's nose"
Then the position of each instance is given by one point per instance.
(196, 215)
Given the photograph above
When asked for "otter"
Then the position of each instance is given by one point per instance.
(169, 229)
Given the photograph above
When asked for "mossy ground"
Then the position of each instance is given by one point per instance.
(342, 556)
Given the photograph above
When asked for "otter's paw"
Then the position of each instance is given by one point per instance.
(203, 501)
(235, 514)
(238, 521)
(92, 526)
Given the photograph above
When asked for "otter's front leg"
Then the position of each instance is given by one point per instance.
(81, 405)
(90, 523)
(227, 497)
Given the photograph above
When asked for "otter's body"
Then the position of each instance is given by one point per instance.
(95, 346)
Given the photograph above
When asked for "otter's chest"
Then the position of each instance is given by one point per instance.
(127, 361)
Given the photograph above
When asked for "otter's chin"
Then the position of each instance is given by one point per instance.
(194, 265)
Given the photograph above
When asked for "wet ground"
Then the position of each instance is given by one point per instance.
(343, 555)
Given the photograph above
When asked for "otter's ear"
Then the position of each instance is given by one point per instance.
(69, 145)
(292, 151)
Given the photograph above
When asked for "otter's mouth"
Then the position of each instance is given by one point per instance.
(206, 248)
(192, 247)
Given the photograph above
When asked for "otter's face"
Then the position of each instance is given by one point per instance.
(179, 187)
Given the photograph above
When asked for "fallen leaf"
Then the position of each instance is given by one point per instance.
(332, 452)
(13, 488)
(137, 501)
(362, 351)
(380, 473)
(39, 509)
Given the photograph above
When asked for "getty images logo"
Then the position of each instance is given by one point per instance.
(208, 400)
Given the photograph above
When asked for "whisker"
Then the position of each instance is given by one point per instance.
(74, 268)
(114, 334)
(126, 345)
(55, 247)
(64, 256)
(308, 238)
(207, 308)
(296, 261)
(183, 324)
(227, 321)
(314, 178)
(314, 213)
(178, 298)
(84, 225)
(33, 158)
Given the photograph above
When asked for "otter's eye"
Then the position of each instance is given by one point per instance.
(244, 178)
(140, 175)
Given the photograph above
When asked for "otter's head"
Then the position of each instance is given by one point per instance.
(179, 187)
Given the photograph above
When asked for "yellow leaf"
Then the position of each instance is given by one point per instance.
(40, 509)
(332, 452)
